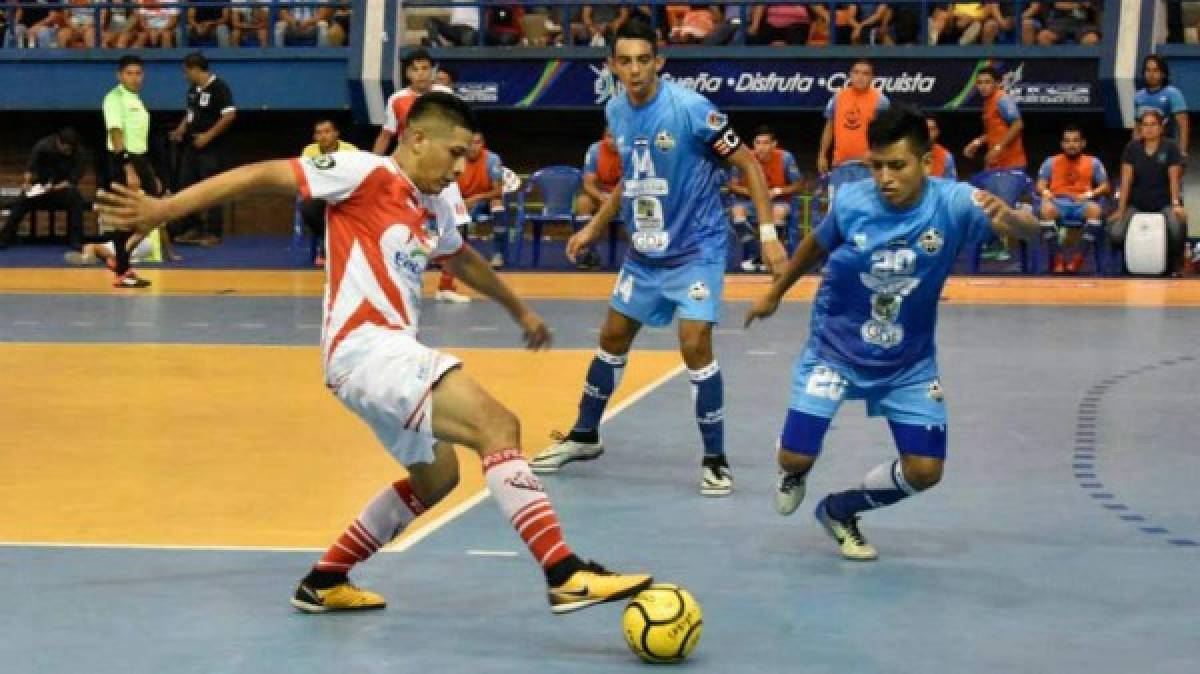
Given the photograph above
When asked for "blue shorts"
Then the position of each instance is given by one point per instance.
(818, 389)
(1071, 213)
(653, 295)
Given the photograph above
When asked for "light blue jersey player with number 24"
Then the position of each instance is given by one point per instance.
(890, 243)
(672, 142)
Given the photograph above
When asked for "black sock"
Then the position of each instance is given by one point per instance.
(718, 460)
(559, 573)
(591, 437)
(322, 580)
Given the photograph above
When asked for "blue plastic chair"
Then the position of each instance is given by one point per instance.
(1011, 185)
(557, 186)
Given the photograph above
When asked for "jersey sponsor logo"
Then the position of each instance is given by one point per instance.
(323, 162)
(526, 481)
(860, 241)
(413, 263)
(664, 141)
(716, 120)
(890, 281)
(931, 241)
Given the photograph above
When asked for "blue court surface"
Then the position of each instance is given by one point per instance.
(1064, 537)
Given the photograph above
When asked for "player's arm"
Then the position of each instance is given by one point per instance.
(1185, 131)
(1126, 186)
(808, 254)
(826, 144)
(591, 187)
(470, 268)
(129, 209)
(1100, 178)
(382, 142)
(756, 181)
(589, 233)
(1018, 222)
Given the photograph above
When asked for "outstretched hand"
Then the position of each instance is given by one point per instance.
(535, 333)
(128, 209)
(764, 307)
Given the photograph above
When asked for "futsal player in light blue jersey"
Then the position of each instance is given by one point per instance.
(890, 243)
(672, 142)
(1161, 95)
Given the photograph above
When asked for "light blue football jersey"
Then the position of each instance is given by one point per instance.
(876, 308)
(1168, 100)
(671, 148)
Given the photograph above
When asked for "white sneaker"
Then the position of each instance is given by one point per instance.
(790, 493)
(497, 261)
(451, 296)
(716, 479)
(851, 541)
(564, 451)
(749, 266)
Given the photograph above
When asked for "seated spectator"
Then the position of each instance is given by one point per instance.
(460, 30)
(248, 21)
(307, 25)
(79, 26)
(730, 21)
(482, 187)
(326, 140)
(51, 180)
(37, 23)
(941, 161)
(969, 23)
(779, 25)
(503, 26)
(601, 174)
(872, 24)
(119, 25)
(1068, 184)
(1065, 22)
(209, 24)
(690, 24)
(341, 19)
(1152, 182)
(783, 180)
(444, 77)
(158, 20)
(600, 22)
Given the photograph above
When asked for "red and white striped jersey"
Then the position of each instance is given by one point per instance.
(381, 233)
(398, 105)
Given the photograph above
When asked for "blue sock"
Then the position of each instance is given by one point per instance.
(708, 391)
(500, 232)
(602, 378)
(883, 486)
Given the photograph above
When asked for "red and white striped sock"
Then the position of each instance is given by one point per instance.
(381, 521)
(521, 498)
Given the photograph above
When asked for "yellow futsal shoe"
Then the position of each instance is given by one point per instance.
(592, 585)
(342, 597)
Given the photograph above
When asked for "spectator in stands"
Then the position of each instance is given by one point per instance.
(119, 25)
(1050, 23)
(1152, 182)
(873, 24)
(203, 132)
(601, 21)
(1002, 125)
(326, 140)
(341, 19)
(1069, 184)
(968, 23)
(691, 24)
(307, 24)
(779, 25)
(482, 187)
(847, 117)
(503, 25)
(51, 180)
(784, 181)
(158, 20)
(1161, 95)
(78, 29)
(37, 23)
(246, 21)
(209, 24)
(941, 161)
(460, 30)
(444, 77)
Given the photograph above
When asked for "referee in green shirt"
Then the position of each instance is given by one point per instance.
(128, 125)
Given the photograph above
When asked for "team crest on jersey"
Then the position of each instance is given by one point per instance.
(931, 241)
(698, 291)
(664, 141)
(716, 120)
(935, 391)
(860, 241)
(323, 162)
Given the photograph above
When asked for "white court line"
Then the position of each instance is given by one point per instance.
(26, 323)
(139, 324)
(417, 536)
(756, 352)
(492, 553)
(484, 328)
(252, 326)
(196, 324)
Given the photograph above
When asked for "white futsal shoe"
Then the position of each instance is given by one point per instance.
(853, 544)
(451, 297)
(715, 477)
(790, 493)
(564, 451)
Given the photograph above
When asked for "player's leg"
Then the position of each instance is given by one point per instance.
(463, 413)
(1093, 225)
(500, 232)
(740, 213)
(816, 395)
(917, 417)
(634, 302)
(1048, 215)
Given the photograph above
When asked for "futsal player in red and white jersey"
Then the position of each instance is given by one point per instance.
(418, 69)
(418, 401)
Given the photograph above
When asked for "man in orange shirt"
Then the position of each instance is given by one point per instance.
(1068, 184)
(941, 162)
(482, 187)
(783, 179)
(601, 173)
(1002, 125)
(846, 118)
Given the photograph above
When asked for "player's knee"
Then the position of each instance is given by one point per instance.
(1048, 211)
(922, 473)
(696, 348)
(794, 462)
(1092, 212)
(739, 212)
(781, 212)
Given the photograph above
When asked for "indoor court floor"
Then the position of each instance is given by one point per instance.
(170, 465)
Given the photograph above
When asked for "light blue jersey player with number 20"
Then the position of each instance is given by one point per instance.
(671, 141)
(891, 241)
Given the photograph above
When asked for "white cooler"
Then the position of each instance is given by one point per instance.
(1146, 244)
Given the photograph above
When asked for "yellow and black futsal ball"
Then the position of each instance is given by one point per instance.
(663, 623)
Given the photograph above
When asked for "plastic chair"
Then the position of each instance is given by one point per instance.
(558, 186)
(1011, 185)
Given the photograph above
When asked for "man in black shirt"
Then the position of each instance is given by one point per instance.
(209, 23)
(51, 180)
(1152, 182)
(202, 132)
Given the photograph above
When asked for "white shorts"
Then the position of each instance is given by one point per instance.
(387, 378)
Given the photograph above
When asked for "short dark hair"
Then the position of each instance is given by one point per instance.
(899, 122)
(448, 107)
(990, 71)
(636, 28)
(864, 62)
(764, 130)
(1072, 127)
(195, 60)
(1162, 65)
(449, 73)
(414, 56)
(128, 60)
(68, 136)
(326, 120)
